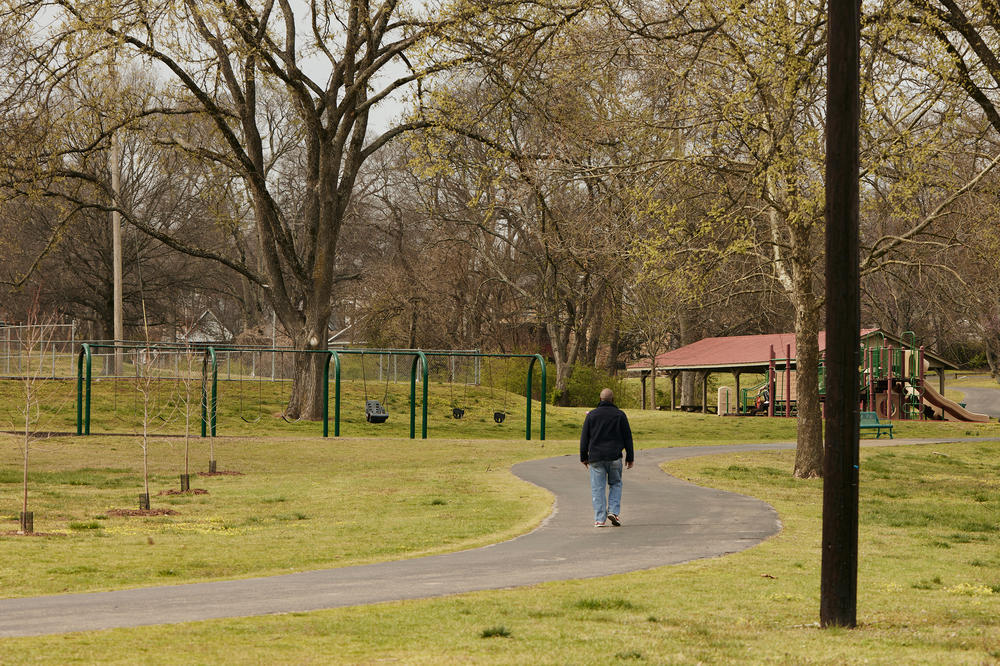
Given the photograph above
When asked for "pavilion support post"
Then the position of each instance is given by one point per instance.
(920, 373)
(704, 392)
(788, 380)
(870, 365)
(673, 391)
(739, 403)
(644, 377)
(771, 384)
(888, 382)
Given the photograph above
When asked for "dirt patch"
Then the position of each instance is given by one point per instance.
(142, 512)
(221, 472)
(193, 491)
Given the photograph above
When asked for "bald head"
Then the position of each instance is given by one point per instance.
(607, 395)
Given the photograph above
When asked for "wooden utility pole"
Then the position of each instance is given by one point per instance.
(116, 248)
(839, 576)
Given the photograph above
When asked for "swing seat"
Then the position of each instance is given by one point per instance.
(499, 417)
(375, 412)
(457, 412)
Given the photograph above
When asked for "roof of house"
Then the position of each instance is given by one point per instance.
(752, 352)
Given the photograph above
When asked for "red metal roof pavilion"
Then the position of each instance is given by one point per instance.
(750, 353)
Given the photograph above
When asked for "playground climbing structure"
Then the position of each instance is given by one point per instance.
(894, 384)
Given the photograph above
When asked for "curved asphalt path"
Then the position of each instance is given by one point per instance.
(666, 521)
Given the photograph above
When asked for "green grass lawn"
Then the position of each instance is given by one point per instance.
(329, 503)
(929, 577)
(974, 379)
(929, 590)
(254, 410)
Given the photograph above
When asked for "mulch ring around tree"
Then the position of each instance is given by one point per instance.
(141, 512)
(193, 491)
(221, 472)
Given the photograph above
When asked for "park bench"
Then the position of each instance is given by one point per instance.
(697, 408)
(869, 421)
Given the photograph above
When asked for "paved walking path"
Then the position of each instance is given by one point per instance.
(666, 521)
(982, 400)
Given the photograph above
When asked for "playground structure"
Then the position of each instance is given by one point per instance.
(894, 384)
(152, 362)
(893, 376)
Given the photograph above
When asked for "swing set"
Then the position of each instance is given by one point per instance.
(376, 411)
(143, 379)
(160, 385)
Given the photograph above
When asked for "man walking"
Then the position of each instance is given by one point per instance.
(605, 435)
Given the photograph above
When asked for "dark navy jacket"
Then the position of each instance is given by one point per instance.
(605, 434)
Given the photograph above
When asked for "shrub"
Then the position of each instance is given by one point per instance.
(583, 388)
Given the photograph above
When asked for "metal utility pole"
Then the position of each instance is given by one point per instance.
(839, 575)
(116, 242)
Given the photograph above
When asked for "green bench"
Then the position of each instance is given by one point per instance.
(869, 421)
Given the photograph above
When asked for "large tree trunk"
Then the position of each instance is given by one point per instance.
(306, 398)
(105, 318)
(614, 348)
(993, 343)
(809, 446)
(326, 209)
(794, 270)
(687, 336)
(411, 338)
(594, 334)
(563, 352)
(652, 385)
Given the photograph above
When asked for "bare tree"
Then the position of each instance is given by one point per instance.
(533, 167)
(328, 67)
(649, 311)
(36, 344)
(54, 196)
(188, 394)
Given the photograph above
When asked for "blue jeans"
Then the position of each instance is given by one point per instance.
(606, 474)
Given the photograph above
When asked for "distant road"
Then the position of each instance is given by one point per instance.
(982, 400)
